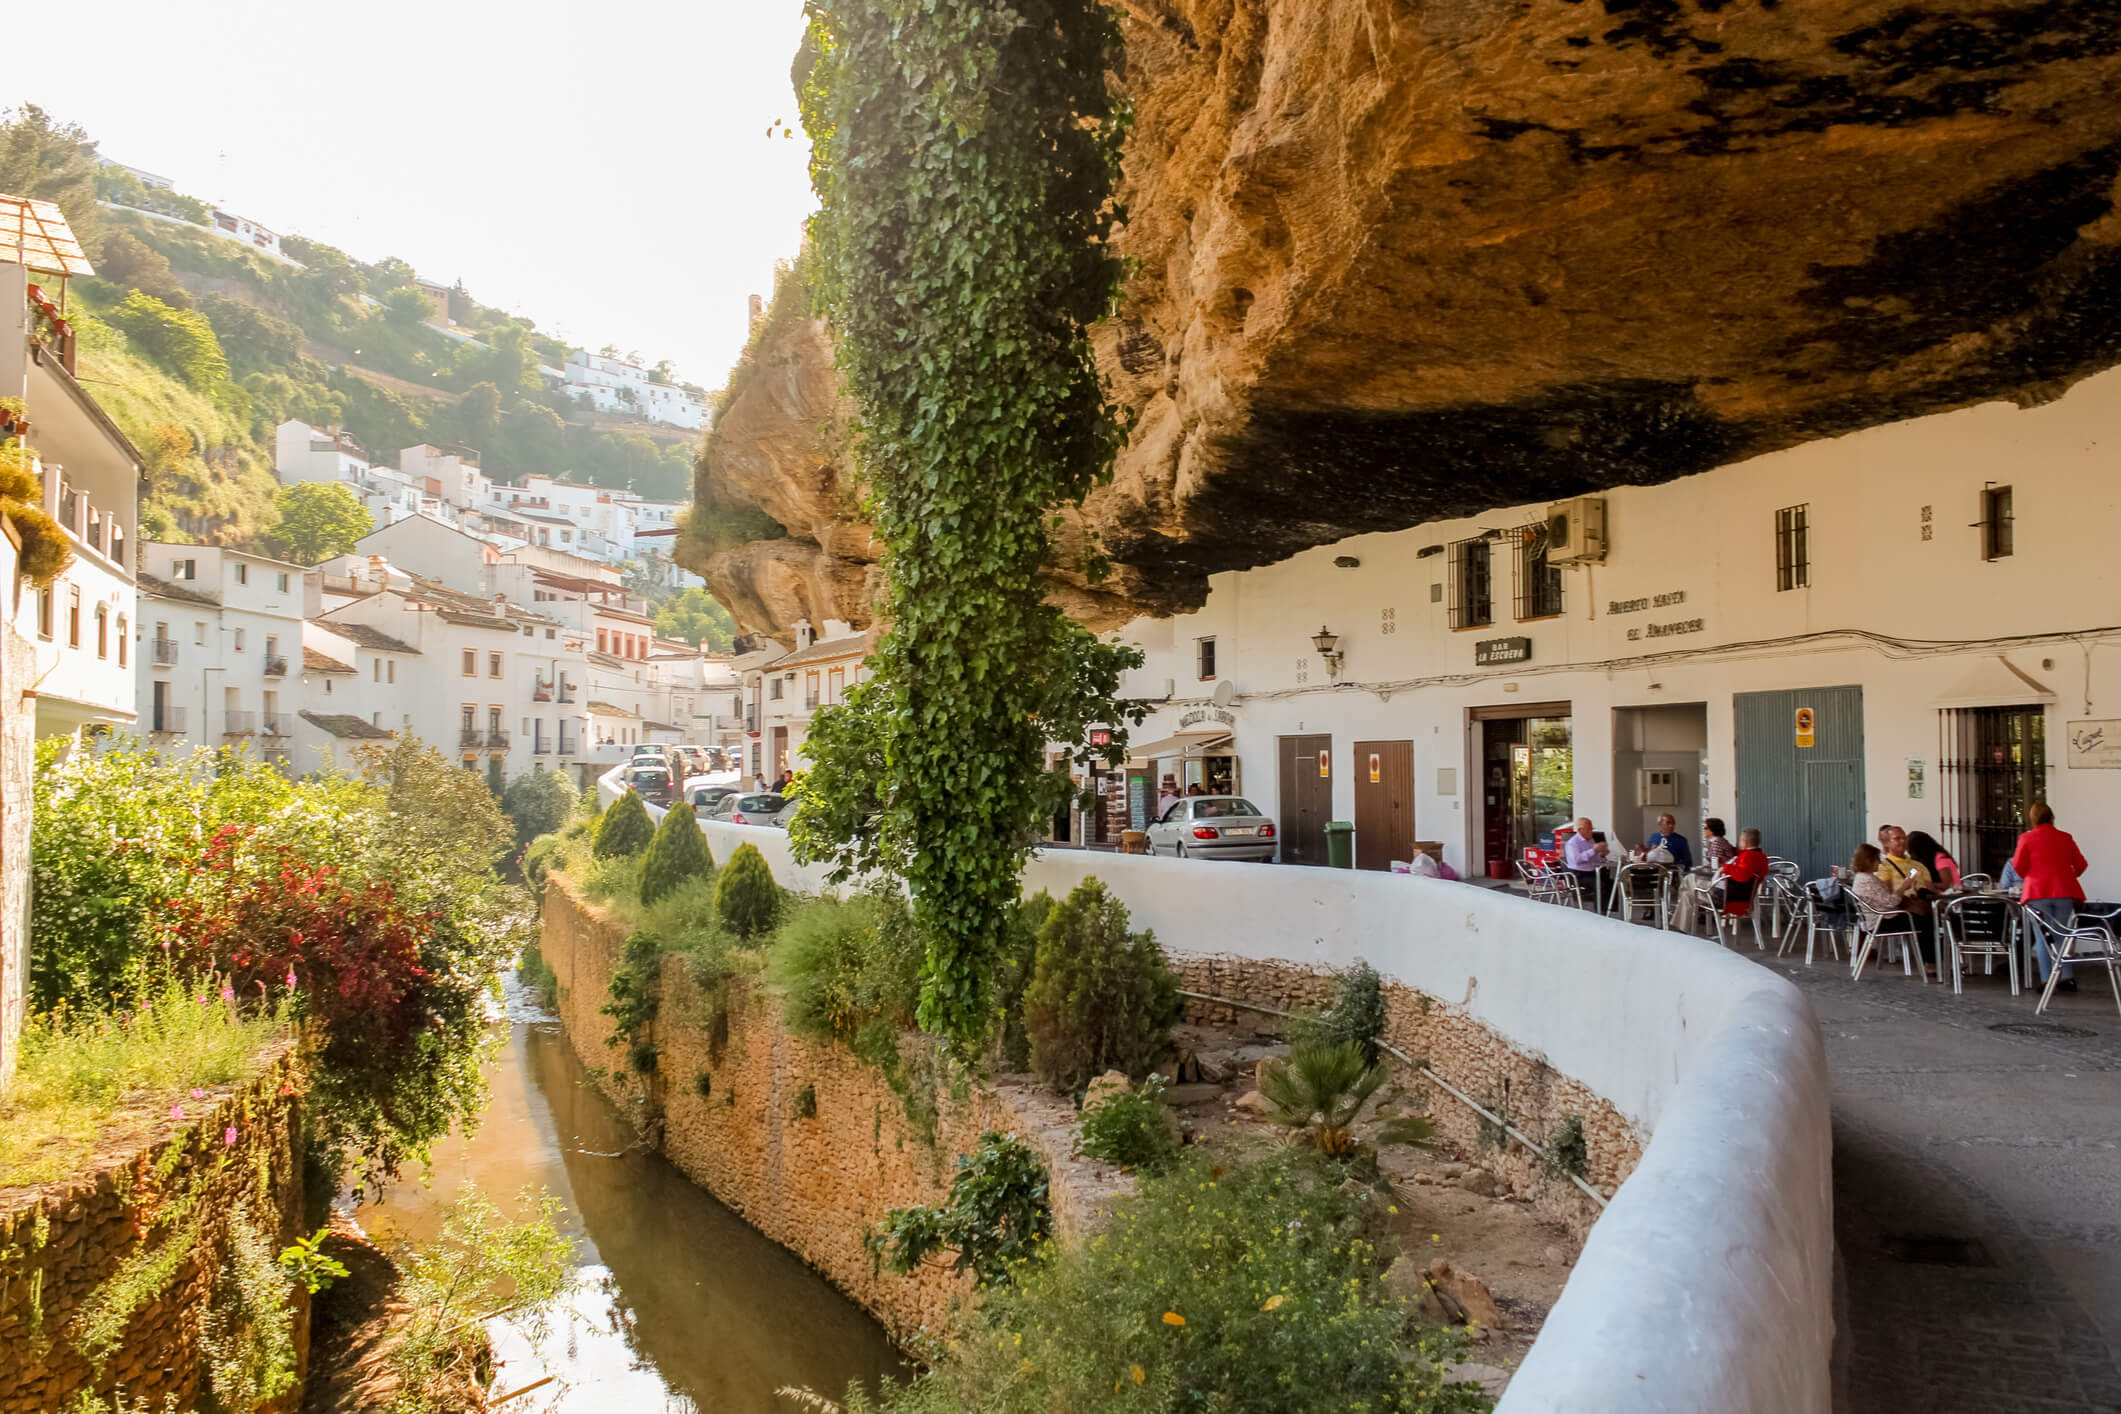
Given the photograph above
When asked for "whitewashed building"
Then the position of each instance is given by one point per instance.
(1905, 625)
(617, 385)
(782, 692)
(221, 647)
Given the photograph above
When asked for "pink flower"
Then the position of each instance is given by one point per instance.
(176, 1111)
(198, 1094)
(228, 1136)
(228, 994)
(290, 977)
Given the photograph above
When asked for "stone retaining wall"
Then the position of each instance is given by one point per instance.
(809, 1143)
(91, 1241)
(1522, 1088)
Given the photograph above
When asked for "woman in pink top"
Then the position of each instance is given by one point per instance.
(2051, 865)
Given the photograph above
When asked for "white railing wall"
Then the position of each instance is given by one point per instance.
(1707, 1282)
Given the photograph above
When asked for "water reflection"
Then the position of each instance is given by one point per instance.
(677, 1304)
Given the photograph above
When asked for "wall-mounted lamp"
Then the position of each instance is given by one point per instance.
(1346, 562)
(1427, 550)
(1328, 645)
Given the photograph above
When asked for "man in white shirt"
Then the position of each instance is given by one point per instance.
(1585, 858)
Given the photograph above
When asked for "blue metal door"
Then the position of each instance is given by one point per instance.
(1805, 799)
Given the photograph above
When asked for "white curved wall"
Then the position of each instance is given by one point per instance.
(1707, 1283)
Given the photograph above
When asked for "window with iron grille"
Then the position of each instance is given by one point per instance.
(1472, 601)
(1204, 654)
(1538, 583)
(1992, 764)
(1996, 533)
(1793, 548)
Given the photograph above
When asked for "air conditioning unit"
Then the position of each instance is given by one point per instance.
(1576, 531)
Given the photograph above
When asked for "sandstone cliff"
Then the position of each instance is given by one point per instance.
(1401, 259)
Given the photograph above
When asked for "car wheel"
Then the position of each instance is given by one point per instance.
(1178, 851)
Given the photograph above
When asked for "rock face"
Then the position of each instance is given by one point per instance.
(1400, 261)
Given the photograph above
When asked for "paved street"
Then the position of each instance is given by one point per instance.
(1977, 1193)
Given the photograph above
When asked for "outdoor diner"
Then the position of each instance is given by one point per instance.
(1902, 901)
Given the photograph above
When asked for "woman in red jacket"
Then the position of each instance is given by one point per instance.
(2050, 864)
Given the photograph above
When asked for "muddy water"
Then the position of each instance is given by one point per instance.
(676, 1304)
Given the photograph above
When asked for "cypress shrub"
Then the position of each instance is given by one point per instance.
(1101, 998)
(677, 855)
(626, 828)
(745, 894)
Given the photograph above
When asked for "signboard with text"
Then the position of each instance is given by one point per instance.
(1807, 722)
(1502, 650)
(2095, 745)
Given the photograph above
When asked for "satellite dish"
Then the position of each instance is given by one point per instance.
(1225, 693)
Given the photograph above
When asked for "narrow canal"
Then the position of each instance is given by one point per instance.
(677, 1304)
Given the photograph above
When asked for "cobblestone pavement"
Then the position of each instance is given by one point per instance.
(1977, 1192)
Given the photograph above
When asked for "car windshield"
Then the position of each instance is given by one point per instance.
(1220, 807)
(763, 804)
(649, 775)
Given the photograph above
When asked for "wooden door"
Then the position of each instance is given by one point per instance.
(1306, 797)
(1384, 803)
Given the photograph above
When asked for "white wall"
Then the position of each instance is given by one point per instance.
(1707, 1284)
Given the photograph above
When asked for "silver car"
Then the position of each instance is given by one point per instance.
(755, 808)
(1213, 827)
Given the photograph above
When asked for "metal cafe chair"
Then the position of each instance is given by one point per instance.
(1978, 883)
(2088, 942)
(1810, 914)
(1879, 928)
(1978, 926)
(1715, 898)
(1640, 888)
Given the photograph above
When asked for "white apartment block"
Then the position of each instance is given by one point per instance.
(250, 232)
(305, 453)
(80, 626)
(782, 692)
(447, 475)
(614, 385)
(221, 660)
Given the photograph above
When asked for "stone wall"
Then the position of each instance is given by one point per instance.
(145, 1227)
(810, 1144)
(1519, 1086)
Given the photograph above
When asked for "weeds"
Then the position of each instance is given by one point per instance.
(1131, 1128)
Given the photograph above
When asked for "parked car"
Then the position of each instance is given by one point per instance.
(756, 808)
(650, 780)
(692, 759)
(1213, 827)
(705, 797)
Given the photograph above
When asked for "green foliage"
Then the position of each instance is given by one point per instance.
(962, 253)
(677, 855)
(536, 973)
(247, 1335)
(806, 1102)
(697, 617)
(745, 895)
(1131, 1128)
(539, 803)
(1101, 998)
(308, 1263)
(480, 1262)
(996, 1221)
(319, 519)
(1319, 1089)
(636, 993)
(840, 966)
(1357, 1015)
(54, 162)
(1568, 1150)
(626, 828)
(179, 339)
(77, 1068)
(1249, 1292)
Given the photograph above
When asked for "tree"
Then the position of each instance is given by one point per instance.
(127, 263)
(699, 618)
(320, 519)
(52, 162)
(168, 449)
(253, 340)
(179, 339)
(676, 856)
(479, 412)
(1101, 997)
(388, 274)
(625, 828)
(539, 803)
(406, 307)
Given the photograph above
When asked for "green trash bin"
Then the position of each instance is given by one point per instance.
(1340, 844)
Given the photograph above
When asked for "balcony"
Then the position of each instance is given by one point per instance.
(277, 724)
(276, 667)
(569, 746)
(482, 739)
(751, 720)
(239, 724)
(162, 652)
(166, 721)
(540, 747)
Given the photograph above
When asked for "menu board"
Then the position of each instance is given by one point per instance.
(1137, 802)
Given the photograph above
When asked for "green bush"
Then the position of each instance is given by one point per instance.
(636, 993)
(997, 1220)
(1357, 1015)
(842, 965)
(181, 340)
(1250, 1292)
(538, 861)
(1132, 1128)
(539, 803)
(745, 895)
(1012, 975)
(676, 856)
(1100, 997)
(626, 828)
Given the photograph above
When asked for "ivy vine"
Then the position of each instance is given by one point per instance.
(964, 155)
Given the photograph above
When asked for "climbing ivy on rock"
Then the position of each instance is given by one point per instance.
(964, 154)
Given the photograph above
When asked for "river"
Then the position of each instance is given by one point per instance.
(676, 1303)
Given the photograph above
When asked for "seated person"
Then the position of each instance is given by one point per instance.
(1900, 868)
(1668, 838)
(1716, 850)
(1897, 884)
(1744, 873)
(1585, 857)
(1923, 848)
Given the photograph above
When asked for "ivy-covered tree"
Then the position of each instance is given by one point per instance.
(963, 155)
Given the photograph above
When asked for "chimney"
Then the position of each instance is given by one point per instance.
(378, 572)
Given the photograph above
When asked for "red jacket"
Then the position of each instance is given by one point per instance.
(2049, 862)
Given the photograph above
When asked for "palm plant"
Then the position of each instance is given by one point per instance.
(1319, 1089)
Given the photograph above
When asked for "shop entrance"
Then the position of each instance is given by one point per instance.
(1800, 773)
(1306, 797)
(1992, 764)
(1527, 779)
(1658, 755)
(1384, 803)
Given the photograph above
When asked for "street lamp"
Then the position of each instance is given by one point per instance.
(1327, 643)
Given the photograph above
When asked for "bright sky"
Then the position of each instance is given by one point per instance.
(603, 169)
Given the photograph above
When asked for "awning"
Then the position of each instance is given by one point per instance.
(1995, 682)
(1186, 744)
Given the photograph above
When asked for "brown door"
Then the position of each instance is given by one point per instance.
(780, 754)
(1306, 797)
(1384, 803)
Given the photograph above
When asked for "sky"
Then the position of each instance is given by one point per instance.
(603, 169)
